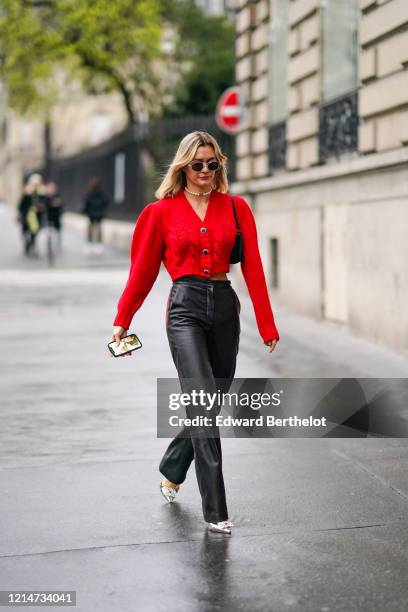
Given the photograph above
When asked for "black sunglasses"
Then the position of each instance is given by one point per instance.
(197, 166)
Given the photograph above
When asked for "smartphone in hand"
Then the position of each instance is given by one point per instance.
(127, 345)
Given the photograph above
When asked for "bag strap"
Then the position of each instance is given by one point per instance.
(235, 215)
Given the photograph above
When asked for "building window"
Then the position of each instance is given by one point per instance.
(275, 262)
(277, 145)
(338, 118)
(278, 78)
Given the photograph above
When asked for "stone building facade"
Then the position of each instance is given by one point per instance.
(323, 156)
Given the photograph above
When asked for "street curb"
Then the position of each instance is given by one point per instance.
(117, 234)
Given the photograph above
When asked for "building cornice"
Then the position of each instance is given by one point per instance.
(360, 165)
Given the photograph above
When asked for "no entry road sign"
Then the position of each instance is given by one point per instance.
(228, 113)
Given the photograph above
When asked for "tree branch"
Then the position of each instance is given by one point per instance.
(90, 62)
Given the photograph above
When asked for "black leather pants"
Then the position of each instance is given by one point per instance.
(203, 329)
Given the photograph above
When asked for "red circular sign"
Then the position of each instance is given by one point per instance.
(228, 113)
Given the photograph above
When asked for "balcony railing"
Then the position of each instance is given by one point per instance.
(277, 146)
(338, 127)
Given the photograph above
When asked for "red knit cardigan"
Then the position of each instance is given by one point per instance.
(170, 231)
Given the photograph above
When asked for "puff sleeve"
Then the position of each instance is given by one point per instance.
(253, 273)
(145, 259)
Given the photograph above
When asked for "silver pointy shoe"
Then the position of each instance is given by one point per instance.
(169, 493)
(221, 527)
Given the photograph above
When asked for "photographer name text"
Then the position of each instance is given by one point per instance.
(260, 421)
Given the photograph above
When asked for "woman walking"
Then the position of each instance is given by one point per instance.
(192, 229)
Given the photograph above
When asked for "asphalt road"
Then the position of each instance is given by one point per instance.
(320, 524)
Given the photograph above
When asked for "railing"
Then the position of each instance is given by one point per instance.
(338, 127)
(144, 151)
(277, 146)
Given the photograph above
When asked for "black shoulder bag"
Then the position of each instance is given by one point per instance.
(237, 253)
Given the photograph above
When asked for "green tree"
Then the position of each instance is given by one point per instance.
(114, 45)
(108, 45)
(205, 57)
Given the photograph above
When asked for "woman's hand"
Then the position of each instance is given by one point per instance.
(272, 344)
(118, 333)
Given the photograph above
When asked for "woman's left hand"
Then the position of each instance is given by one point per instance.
(272, 344)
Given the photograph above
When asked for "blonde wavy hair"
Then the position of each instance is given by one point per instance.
(175, 178)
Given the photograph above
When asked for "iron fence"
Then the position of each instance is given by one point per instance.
(132, 164)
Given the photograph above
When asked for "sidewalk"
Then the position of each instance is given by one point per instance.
(320, 524)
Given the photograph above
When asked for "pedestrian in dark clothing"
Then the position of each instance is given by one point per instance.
(31, 210)
(95, 205)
